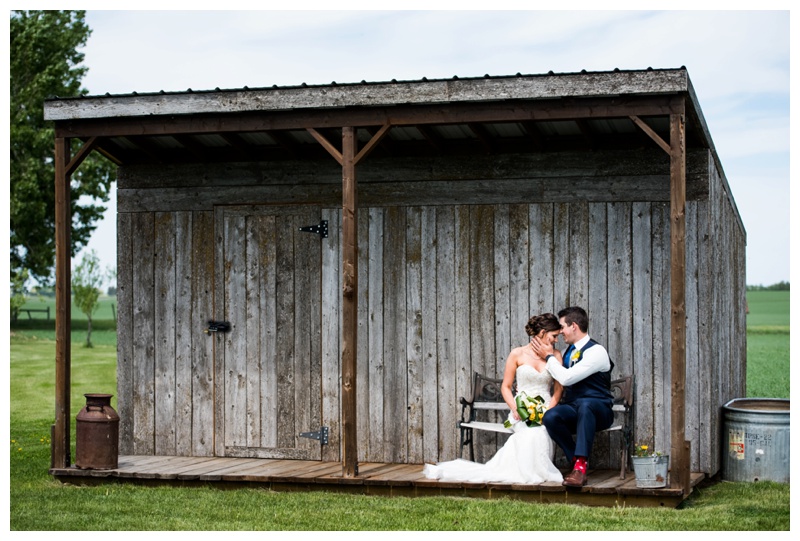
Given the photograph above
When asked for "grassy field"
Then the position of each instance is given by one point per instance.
(39, 503)
(768, 344)
(769, 310)
(106, 309)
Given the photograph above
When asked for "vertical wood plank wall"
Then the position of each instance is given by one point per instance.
(444, 290)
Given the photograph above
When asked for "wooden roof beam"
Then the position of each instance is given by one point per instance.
(483, 136)
(399, 115)
(111, 151)
(385, 143)
(285, 141)
(431, 137)
(533, 135)
(586, 132)
(151, 150)
(197, 150)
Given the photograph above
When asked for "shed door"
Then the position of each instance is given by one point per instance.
(269, 391)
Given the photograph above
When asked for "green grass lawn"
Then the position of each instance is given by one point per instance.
(39, 503)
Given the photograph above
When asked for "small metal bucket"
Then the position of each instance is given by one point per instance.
(755, 443)
(97, 434)
(651, 471)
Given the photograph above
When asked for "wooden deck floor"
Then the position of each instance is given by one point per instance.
(604, 487)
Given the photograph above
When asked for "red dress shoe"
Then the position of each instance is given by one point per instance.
(575, 479)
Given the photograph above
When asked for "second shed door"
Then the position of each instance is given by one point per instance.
(270, 391)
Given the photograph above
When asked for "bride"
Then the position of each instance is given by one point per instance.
(527, 456)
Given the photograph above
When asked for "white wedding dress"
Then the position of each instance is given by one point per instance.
(527, 456)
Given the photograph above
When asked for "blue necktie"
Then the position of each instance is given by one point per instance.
(567, 354)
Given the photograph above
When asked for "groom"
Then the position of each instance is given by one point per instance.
(586, 404)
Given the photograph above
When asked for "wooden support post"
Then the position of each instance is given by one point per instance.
(60, 446)
(680, 448)
(349, 303)
(348, 158)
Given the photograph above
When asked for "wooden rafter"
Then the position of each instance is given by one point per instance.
(284, 141)
(385, 144)
(483, 136)
(372, 143)
(532, 134)
(431, 137)
(322, 140)
(146, 146)
(651, 133)
(81, 155)
(189, 143)
(111, 151)
(586, 132)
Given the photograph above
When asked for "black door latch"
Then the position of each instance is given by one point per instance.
(218, 326)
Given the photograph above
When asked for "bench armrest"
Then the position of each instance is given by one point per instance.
(466, 406)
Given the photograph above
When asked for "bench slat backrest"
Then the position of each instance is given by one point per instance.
(622, 390)
(485, 389)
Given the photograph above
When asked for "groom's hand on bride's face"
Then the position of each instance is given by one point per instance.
(542, 348)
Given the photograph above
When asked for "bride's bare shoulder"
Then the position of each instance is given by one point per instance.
(517, 351)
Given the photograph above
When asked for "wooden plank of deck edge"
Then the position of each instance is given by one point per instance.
(382, 476)
(363, 471)
(254, 468)
(309, 472)
(605, 487)
(164, 469)
(214, 471)
(262, 473)
(605, 481)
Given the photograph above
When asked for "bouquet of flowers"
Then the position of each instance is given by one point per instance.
(530, 409)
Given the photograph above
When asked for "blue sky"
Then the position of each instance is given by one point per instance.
(738, 62)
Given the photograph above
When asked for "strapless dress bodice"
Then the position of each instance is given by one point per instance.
(534, 382)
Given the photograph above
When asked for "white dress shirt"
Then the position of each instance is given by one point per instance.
(594, 359)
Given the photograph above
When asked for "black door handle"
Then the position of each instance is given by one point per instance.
(218, 326)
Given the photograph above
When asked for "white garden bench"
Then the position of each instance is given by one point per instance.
(486, 396)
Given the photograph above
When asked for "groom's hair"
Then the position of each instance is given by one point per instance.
(575, 314)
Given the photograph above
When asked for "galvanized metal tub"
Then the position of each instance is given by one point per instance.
(756, 440)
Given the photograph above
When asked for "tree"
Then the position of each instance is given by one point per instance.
(86, 281)
(45, 62)
(18, 298)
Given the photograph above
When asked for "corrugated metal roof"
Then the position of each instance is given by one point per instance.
(446, 132)
(363, 83)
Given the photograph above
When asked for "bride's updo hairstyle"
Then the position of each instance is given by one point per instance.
(544, 322)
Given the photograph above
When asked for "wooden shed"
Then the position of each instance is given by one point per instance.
(372, 245)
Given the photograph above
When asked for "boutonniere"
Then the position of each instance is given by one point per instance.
(575, 357)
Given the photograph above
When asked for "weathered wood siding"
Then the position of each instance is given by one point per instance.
(165, 287)
(454, 257)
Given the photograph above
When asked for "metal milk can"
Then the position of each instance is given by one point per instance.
(97, 434)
